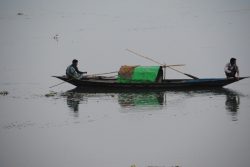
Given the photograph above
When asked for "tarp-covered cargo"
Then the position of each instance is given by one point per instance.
(140, 74)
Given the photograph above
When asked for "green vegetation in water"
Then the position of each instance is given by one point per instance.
(4, 93)
(51, 94)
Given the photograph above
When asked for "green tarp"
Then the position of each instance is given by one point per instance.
(139, 74)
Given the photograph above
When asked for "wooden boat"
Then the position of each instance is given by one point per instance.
(106, 83)
(145, 78)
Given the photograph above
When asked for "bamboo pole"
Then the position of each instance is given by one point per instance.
(163, 65)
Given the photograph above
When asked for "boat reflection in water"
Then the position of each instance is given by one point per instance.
(232, 103)
(150, 100)
(143, 100)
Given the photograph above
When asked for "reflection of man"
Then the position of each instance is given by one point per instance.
(73, 101)
(232, 104)
(73, 104)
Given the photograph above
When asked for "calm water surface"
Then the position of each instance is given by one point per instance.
(170, 128)
(38, 39)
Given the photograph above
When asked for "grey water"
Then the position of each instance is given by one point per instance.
(48, 127)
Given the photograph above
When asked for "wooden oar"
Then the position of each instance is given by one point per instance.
(57, 84)
(189, 75)
(103, 73)
(144, 56)
(163, 65)
(62, 83)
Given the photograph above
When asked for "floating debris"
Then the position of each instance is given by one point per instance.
(4, 93)
(51, 94)
(19, 125)
(20, 14)
(56, 37)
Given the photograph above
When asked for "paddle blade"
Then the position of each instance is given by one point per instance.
(191, 76)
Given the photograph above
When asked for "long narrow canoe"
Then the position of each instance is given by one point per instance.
(105, 83)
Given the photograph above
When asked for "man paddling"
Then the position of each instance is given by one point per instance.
(231, 69)
(73, 72)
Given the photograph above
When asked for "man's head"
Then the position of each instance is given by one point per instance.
(74, 62)
(233, 60)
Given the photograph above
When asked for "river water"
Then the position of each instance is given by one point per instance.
(50, 127)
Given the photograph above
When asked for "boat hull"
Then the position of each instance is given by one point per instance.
(169, 84)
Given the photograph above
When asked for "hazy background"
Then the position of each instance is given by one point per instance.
(201, 34)
(39, 38)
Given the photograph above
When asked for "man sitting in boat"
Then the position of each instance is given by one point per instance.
(231, 69)
(73, 72)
